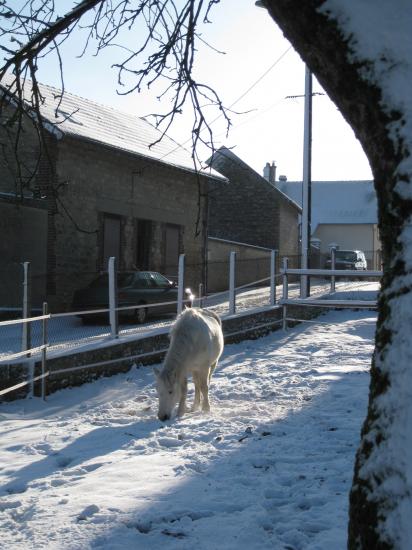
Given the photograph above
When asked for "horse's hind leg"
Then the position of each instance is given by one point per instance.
(196, 402)
(204, 388)
(183, 393)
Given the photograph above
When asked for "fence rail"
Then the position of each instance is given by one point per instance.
(333, 272)
(329, 302)
(261, 293)
(25, 320)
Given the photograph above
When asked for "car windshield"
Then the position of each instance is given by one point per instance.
(346, 255)
(123, 280)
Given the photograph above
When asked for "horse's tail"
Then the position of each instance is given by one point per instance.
(212, 370)
(212, 314)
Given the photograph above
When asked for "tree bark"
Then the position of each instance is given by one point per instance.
(328, 53)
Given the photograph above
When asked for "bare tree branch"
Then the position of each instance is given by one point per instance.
(164, 53)
(166, 32)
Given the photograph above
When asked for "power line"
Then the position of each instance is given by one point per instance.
(238, 99)
(262, 77)
(256, 115)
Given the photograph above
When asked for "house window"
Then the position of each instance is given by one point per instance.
(143, 243)
(171, 249)
(111, 238)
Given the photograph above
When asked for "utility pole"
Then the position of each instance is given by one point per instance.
(307, 174)
(306, 183)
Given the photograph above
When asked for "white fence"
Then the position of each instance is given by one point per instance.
(30, 354)
(322, 302)
(26, 354)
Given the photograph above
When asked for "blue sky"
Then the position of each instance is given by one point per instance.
(269, 127)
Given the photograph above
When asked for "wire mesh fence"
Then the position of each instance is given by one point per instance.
(251, 283)
(71, 326)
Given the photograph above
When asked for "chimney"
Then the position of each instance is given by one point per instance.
(269, 172)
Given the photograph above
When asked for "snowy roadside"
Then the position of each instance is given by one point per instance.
(270, 467)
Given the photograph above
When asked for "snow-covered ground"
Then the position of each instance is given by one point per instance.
(270, 467)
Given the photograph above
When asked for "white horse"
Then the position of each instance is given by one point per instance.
(196, 343)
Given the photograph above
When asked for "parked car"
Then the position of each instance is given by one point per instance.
(348, 259)
(138, 288)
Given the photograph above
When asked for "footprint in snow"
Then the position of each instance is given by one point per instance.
(6, 505)
(92, 467)
(57, 482)
(170, 442)
(15, 448)
(88, 512)
(16, 488)
(63, 461)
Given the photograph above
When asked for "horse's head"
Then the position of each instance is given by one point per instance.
(168, 392)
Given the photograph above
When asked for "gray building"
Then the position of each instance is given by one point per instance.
(106, 187)
(251, 216)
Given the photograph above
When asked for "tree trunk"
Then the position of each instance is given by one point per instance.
(381, 486)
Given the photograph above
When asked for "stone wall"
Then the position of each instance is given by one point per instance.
(23, 231)
(102, 181)
(28, 209)
(76, 185)
(288, 229)
(252, 264)
(80, 367)
(243, 210)
(248, 209)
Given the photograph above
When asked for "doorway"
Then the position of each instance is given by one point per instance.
(143, 243)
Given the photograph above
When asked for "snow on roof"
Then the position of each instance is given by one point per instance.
(337, 202)
(77, 116)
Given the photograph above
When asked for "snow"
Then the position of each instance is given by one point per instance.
(76, 116)
(379, 32)
(337, 202)
(269, 467)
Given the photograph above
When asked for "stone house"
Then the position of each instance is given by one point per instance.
(344, 214)
(105, 187)
(250, 216)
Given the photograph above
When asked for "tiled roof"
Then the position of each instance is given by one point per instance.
(80, 117)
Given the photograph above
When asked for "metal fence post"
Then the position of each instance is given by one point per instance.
(200, 298)
(273, 277)
(180, 283)
(285, 293)
(113, 313)
(26, 310)
(44, 353)
(232, 283)
(332, 266)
